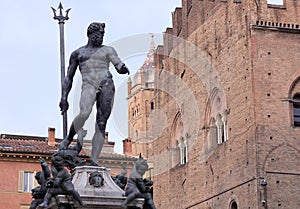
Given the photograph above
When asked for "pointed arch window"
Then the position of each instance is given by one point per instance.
(216, 120)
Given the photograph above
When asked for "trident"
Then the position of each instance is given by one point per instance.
(61, 20)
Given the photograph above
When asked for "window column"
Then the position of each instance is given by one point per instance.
(224, 120)
(181, 153)
(219, 125)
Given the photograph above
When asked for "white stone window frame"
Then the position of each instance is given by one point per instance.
(221, 124)
(26, 181)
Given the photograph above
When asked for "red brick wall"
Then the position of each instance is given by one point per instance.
(9, 174)
(254, 70)
(276, 66)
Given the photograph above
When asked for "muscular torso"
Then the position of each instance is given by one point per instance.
(94, 63)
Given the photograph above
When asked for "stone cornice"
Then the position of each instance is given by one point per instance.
(280, 27)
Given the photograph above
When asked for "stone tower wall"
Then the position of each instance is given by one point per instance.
(239, 60)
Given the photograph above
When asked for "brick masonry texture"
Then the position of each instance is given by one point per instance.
(247, 54)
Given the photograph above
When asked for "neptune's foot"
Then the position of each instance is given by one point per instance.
(64, 144)
(94, 163)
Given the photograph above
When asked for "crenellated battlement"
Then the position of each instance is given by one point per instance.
(230, 16)
(195, 13)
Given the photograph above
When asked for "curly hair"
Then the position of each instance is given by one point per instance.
(95, 26)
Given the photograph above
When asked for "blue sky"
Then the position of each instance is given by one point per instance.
(30, 65)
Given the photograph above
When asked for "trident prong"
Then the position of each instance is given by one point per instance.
(60, 17)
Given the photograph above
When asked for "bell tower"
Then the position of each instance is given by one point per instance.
(141, 103)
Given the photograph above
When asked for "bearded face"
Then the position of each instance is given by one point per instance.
(95, 33)
(96, 179)
(97, 38)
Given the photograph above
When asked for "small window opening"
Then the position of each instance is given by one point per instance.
(296, 110)
(28, 181)
(152, 105)
(221, 129)
(233, 205)
(183, 147)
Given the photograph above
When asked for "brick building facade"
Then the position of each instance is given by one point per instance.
(225, 123)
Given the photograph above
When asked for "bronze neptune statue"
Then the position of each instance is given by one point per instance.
(93, 61)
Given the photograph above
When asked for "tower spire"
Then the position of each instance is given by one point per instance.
(152, 44)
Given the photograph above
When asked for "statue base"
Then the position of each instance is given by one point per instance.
(104, 195)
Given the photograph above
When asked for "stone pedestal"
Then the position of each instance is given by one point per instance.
(106, 196)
